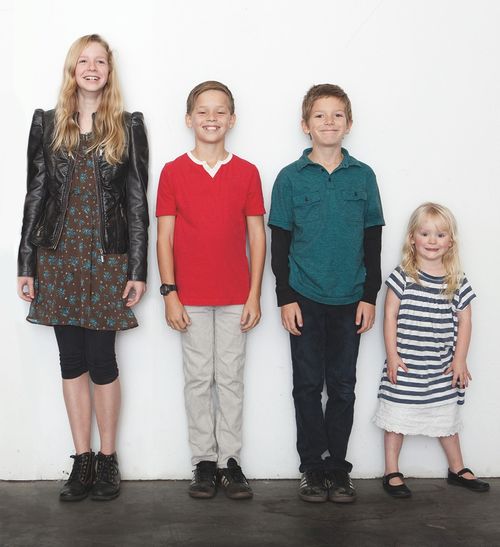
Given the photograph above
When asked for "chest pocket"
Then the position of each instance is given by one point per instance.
(306, 207)
(353, 204)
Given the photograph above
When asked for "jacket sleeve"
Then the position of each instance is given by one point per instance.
(35, 196)
(137, 203)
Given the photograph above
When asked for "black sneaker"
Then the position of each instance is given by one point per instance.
(80, 481)
(340, 487)
(107, 478)
(234, 481)
(313, 487)
(204, 483)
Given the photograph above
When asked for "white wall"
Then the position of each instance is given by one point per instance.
(423, 77)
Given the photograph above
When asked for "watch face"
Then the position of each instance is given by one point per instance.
(166, 289)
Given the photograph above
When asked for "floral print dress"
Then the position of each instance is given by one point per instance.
(77, 284)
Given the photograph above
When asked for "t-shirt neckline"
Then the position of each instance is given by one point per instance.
(212, 171)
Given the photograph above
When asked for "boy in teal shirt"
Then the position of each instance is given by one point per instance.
(326, 220)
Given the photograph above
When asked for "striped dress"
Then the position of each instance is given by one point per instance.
(423, 401)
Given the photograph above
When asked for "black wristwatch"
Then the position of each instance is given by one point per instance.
(167, 289)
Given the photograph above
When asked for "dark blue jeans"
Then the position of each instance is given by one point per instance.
(326, 352)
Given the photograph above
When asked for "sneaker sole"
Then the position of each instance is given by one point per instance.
(313, 499)
(240, 496)
(202, 495)
(73, 498)
(342, 499)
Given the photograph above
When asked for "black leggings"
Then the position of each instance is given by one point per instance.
(84, 350)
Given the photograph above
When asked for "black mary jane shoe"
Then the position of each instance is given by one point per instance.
(395, 490)
(476, 485)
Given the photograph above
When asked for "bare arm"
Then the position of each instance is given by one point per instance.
(394, 361)
(257, 244)
(458, 366)
(175, 314)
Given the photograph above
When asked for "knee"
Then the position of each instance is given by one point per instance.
(103, 371)
(72, 364)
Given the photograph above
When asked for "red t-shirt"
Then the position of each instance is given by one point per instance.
(211, 265)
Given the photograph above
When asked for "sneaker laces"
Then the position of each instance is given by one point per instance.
(315, 478)
(236, 474)
(204, 473)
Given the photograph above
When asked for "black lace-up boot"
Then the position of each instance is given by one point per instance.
(80, 481)
(107, 478)
(234, 481)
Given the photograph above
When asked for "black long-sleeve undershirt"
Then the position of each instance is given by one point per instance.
(280, 249)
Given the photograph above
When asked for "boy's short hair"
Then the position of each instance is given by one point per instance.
(209, 85)
(325, 90)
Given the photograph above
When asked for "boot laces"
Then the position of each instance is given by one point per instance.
(106, 469)
(80, 465)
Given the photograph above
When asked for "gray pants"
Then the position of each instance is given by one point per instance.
(213, 350)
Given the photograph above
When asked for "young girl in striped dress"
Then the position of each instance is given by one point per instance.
(427, 329)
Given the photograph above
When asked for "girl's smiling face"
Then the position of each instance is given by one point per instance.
(92, 68)
(432, 240)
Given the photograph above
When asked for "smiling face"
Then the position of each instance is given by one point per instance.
(327, 123)
(211, 117)
(432, 241)
(92, 69)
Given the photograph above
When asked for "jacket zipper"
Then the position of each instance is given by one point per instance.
(67, 183)
(99, 206)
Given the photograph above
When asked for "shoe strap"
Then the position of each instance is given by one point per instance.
(393, 476)
(463, 471)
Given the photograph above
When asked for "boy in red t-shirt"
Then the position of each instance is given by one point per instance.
(208, 201)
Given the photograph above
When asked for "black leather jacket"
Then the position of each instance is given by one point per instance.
(121, 195)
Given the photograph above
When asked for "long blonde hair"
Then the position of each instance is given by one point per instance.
(108, 129)
(451, 259)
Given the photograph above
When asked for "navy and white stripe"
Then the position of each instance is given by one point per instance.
(427, 328)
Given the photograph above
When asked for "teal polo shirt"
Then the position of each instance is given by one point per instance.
(327, 215)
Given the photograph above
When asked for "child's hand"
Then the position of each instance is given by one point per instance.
(291, 318)
(365, 316)
(133, 292)
(461, 374)
(250, 315)
(393, 363)
(29, 283)
(175, 313)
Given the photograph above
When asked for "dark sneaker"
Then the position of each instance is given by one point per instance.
(107, 478)
(80, 481)
(313, 487)
(204, 483)
(340, 487)
(234, 481)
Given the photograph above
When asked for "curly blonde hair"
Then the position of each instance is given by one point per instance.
(451, 260)
(108, 129)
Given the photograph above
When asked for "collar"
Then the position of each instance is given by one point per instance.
(212, 171)
(347, 160)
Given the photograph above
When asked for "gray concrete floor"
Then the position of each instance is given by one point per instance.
(158, 513)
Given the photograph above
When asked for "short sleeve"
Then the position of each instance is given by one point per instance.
(397, 282)
(281, 214)
(374, 215)
(165, 200)
(255, 201)
(465, 295)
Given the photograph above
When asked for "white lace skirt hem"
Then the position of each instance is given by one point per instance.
(438, 421)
